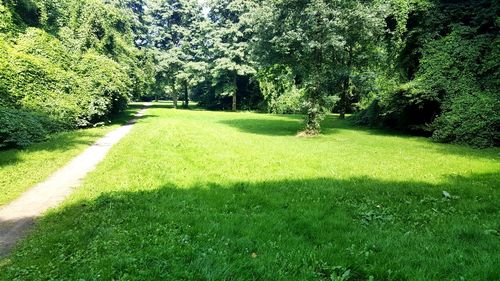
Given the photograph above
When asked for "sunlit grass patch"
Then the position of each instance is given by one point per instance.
(20, 169)
(197, 195)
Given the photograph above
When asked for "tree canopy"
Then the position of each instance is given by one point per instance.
(429, 67)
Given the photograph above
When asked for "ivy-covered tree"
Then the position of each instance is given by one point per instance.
(442, 77)
(66, 64)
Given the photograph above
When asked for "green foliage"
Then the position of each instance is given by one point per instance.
(229, 47)
(106, 82)
(6, 24)
(21, 128)
(461, 70)
(470, 119)
(324, 43)
(177, 47)
(280, 93)
(38, 43)
(370, 115)
(402, 106)
(448, 56)
(33, 82)
(292, 102)
(73, 61)
(414, 65)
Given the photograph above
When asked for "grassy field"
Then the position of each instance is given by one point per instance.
(21, 169)
(197, 195)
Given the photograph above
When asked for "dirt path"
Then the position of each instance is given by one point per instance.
(17, 217)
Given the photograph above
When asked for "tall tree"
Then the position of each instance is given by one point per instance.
(323, 42)
(230, 38)
(171, 25)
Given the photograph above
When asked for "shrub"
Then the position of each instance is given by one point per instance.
(452, 64)
(370, 116)
(36, 84)
(290, 102)
(63, 65)
(5, 19)
(405, 107)
(470, 119)
(107, 84)
(462, 70)
(39, 43)
(282, 96)
(73, 91)
(20, 128)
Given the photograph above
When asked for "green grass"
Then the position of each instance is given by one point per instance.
(196, 195)
(21, 169)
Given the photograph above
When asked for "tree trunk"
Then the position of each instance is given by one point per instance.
(344, 98)
(315, 101)
(234, 94)
(186, 95)
(175, 100)
(174, 95)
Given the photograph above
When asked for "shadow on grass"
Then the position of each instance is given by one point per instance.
(269, 127)
(281, 125)
(294, 123)
(426, 142)
(69, 139)
(167, 104)
(290, 125)
(310, 229)
(162, 104)
(123, 117)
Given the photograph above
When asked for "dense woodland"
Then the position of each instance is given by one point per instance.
(427, 67)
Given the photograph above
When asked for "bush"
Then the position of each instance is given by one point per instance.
(472, 119)
(5, 19)
(39, 43)
(33, 82)
(20, 128)
(290, 102)
(370, 116)
(405, 107)
(73, 91)
(106, 83)
(451, 77)
(462, 68)
(63, 65)
(280, 93)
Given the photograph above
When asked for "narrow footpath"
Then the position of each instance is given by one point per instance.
(17, 217)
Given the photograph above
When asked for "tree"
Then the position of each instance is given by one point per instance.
(441, 79)
(230, 38)
(171, 25)
(324, 42)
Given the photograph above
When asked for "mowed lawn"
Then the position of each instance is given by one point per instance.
(198, 195)
(20, 169)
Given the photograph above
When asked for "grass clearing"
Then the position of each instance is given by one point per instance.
(197, 195)
(21, 169)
